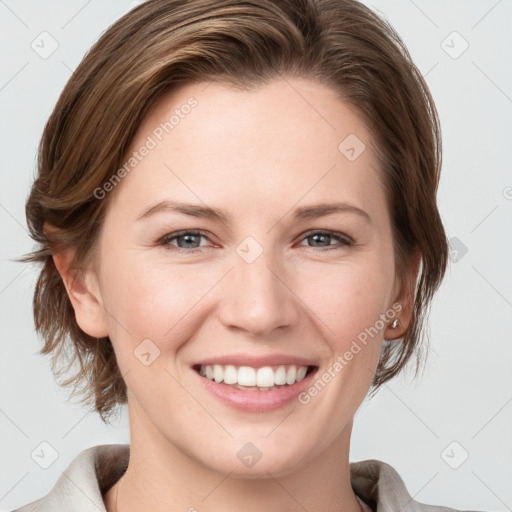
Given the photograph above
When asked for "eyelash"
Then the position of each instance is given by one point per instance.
(343, 239)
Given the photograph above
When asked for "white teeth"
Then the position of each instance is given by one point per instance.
(246, 376)
(230, 374)
(263, 379)
(218, 373)
(291, 375)
(301, 373)
(280, 376)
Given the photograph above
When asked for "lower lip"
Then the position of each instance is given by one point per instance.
(256, 401)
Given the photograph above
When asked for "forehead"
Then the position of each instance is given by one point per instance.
(286, 140)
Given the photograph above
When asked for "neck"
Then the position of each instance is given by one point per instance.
(161, 477)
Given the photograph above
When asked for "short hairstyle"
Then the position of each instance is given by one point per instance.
(163, 44)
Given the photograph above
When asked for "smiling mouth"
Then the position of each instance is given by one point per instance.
(247, 378)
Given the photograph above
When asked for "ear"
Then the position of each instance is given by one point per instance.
(84, 295)
(403, 304)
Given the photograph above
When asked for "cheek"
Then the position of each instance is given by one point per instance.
(149, 300)
(348, 298)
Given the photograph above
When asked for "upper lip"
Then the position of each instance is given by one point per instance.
(257, 361)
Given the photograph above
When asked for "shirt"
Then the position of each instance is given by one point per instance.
(82, 484)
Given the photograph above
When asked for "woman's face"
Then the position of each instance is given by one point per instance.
(257, 274)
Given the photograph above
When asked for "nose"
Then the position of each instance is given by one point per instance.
(258, 297)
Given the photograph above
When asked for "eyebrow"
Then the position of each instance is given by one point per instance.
(305, 212)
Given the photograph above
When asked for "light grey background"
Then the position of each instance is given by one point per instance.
(465, 394)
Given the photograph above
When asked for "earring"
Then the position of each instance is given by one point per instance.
(395, 323)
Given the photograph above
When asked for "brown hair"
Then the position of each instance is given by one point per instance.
(163, 44)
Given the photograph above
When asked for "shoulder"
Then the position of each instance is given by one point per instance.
(380, 486)
(81, 485)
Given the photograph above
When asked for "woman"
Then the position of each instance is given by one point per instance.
(236, 206)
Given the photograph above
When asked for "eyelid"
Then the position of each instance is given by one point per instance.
(335, 234)
(343, 238)
(176, 234)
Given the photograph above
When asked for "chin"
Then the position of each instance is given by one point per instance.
(255, 460)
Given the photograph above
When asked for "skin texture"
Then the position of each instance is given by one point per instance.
(258, 155)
